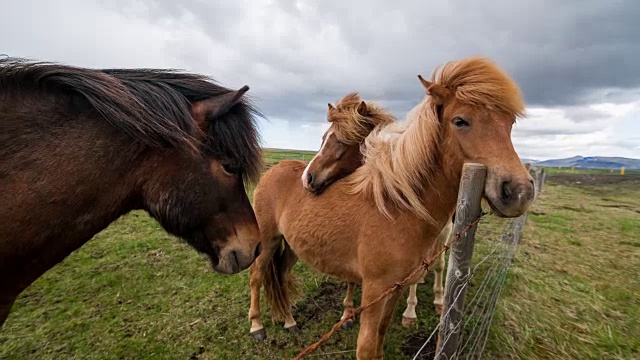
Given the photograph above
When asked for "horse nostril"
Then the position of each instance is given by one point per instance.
(506, 192)
(235, 264)
(310, 179)
(258, 250)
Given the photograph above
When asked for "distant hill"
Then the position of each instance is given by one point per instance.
(593, 162)
(588, 162)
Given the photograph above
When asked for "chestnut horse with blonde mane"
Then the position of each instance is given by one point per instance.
(374, 226)
(352, 120)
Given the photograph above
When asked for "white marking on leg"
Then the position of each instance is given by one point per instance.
(289, 322)
(255, 326)
(412, 301)
(348, 300)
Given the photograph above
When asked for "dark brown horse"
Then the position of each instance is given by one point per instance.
(81, 147)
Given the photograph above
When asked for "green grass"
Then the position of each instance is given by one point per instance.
(134, 292)
(272, 156)
(572, 292)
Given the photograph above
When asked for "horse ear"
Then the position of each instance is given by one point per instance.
(216, 106)
(438, 92)
(362, 108)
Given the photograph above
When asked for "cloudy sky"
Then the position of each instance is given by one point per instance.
(577, 62)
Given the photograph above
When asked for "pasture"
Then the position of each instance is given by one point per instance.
(135, 292)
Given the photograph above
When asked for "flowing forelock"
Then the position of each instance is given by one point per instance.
(479, 81)
(351, 127)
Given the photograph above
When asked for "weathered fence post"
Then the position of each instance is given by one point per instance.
(543, 176)
(468, 209)
(539, 175)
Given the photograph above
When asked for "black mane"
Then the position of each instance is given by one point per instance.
(152, 106)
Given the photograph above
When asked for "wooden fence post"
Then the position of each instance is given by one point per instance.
(539, 176)
(468, 209)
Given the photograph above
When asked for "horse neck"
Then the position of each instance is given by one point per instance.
(441, 196)
(70, 178)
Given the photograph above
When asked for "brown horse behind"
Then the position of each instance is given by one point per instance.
(373, 226)
(352, 120)
(81, 147)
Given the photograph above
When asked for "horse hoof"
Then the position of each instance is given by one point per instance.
(408, 322)
(259, 335)
(347, 325)
(293, 329)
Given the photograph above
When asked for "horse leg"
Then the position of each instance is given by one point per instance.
(438, 269)
(409, 316)
(369, 337)
(290, 259)
(438, 289)
(348, 306)
(257, 270)
(385, 320)
(255, 282)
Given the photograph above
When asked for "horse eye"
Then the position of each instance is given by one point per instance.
(230, 169)
(460, 122)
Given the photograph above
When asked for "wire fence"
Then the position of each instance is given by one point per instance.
(488, 277)
(490, 271)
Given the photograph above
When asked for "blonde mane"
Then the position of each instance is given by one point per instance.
(400, 159)
(351, 127)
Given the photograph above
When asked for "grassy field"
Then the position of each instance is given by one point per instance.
(134, 292)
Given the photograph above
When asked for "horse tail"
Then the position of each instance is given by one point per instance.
(280, 285)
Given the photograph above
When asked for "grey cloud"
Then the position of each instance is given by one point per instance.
(584, 114)
(561, 54)
(296, 59)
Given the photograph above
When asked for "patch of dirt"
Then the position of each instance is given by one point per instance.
(593, 179)
(326, 299)
(195, 354)
(415, 341)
